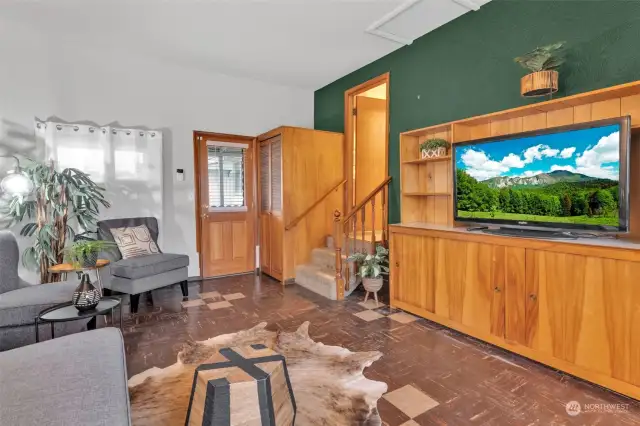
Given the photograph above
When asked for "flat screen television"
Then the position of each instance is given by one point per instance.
(565, 178)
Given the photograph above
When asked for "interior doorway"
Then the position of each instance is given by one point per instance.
(225, 203)
(367, 142)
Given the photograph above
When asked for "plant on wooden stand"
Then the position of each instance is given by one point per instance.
(59, 200)
(84, 253)
(371, 267)
(542, 62)
(434, 148)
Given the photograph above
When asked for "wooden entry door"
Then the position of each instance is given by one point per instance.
(227, 209)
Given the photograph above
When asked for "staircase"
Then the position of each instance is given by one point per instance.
(319, 275)
(329, 274)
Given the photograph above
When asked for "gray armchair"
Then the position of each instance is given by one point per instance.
(142, 273)
(21, 302)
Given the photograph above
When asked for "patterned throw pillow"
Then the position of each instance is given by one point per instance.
(134, 241)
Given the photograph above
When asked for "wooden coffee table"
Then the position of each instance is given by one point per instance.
(65, 268)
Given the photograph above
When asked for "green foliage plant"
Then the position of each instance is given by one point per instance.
(60, 201)
(434, 144)
(371, 265)
(80, 251)
(543, 58)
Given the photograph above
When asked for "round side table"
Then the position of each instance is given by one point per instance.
(67, 312)
(65, 268)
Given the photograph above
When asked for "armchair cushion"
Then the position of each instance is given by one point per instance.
(105, 226)
(134, 241)
(145, 266)
(20, 307)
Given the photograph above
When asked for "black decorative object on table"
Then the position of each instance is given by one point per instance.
(86, 296)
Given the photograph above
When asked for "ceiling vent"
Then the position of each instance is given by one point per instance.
(414, 18)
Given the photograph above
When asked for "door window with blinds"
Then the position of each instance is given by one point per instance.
(226, 166)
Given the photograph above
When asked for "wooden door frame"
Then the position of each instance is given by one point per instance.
(197, 171)
(349, 96)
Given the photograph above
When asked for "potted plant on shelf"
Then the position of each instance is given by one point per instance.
(434, 148)
(371, 267)
(84, 253)
(543, 63)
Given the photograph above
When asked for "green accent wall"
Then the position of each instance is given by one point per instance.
(465, 68)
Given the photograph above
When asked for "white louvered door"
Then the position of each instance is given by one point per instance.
(271, 221)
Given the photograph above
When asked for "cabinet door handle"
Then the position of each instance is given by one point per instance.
(397, 263)
(497, 289)
(533, 297)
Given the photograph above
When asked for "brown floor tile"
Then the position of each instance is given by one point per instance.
(474, 383)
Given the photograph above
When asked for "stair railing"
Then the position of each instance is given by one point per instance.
(346, 232)
(301, 216)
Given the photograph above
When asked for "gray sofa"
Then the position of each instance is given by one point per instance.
(21, 302)
(141, 274)
(72, 380)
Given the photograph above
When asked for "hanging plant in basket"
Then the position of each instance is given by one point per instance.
(434, 148)
(543, 63)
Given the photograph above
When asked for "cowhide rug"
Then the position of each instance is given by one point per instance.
(327, 381)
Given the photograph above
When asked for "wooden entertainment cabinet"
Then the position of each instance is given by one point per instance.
(571, 304)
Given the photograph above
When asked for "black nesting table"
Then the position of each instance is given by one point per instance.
(67, 312)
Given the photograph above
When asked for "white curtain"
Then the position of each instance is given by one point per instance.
(127, 162)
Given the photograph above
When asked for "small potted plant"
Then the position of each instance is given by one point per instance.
(84, 253)
(434, 148)
(371, 267)
(542, 62)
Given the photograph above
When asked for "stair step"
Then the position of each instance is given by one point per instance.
(357, 240)
(316, 279)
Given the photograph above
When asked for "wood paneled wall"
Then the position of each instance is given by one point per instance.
(312, 164)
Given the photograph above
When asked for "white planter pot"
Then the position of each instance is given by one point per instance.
(372, 284)
(436, 152)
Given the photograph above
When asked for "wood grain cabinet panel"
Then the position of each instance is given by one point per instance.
(470, 284)
(583, 310)
(414, 267)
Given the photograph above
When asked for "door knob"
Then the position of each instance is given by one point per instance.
(397, 263)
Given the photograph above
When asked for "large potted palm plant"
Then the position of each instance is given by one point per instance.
(542, 62)
(61, 201)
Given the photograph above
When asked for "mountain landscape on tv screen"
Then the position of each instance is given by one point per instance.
(538, 180)
(506, 180)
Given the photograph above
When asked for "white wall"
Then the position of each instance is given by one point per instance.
(106, 86)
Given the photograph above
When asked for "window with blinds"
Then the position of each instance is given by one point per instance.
(226, 175)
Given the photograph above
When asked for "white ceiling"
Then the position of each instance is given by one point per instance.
(302, 43)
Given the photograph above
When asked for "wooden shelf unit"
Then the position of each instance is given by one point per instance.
(571, 305)
(427, 194)
(428, 160)
(418, 176)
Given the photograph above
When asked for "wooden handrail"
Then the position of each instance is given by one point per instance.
(295, 221)
(367, 199)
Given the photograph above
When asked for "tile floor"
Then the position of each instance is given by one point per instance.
(435, 376)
